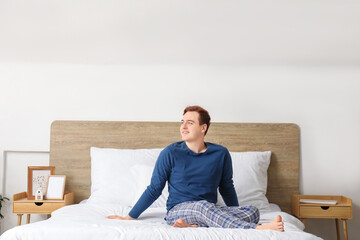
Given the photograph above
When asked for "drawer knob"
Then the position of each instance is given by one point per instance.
(38, 203)
(324, 207)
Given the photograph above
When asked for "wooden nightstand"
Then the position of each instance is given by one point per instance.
(341, 210)
(21, 205)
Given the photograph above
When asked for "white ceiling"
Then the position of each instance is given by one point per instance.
(181, 32)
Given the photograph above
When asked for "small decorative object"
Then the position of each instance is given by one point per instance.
(37, 179)
(39, 195)
(55, 187)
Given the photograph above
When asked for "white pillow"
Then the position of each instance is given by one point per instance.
(120, 176)
(143, 179)
(111, 178)
(250, 178)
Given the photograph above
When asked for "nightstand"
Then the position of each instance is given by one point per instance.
(341, 210)
(21, 205)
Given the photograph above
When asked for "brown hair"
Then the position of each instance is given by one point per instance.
(204, 117)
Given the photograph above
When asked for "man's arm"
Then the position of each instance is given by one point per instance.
(226, 187)
(153, 191)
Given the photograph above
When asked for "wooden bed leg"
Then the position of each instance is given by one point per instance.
(28, 219)
(19, 219)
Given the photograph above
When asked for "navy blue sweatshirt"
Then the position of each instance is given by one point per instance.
(191, 177)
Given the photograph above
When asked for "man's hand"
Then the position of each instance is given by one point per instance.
(120, 217)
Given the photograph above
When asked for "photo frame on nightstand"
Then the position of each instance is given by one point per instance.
(55, 188)
(37, 179)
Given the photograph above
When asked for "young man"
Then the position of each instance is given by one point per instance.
(195, 169)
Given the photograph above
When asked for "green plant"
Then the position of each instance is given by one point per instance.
(2, 199)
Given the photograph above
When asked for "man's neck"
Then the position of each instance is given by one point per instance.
(197, 147)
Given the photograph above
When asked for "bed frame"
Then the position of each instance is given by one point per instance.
(71, 140)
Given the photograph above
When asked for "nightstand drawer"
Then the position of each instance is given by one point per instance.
(40, 207)
(325, 212)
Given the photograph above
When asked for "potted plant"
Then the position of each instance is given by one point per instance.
(2, 199)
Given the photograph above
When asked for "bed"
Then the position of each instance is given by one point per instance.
(86, 151)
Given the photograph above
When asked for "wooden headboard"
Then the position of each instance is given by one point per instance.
(71, 141)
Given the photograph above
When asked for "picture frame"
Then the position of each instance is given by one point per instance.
(55, 188)
(37, 179)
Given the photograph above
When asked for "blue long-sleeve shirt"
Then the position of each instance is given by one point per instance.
(191, 177)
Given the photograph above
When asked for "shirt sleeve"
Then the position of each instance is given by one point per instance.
(159, 177)
(226, 187)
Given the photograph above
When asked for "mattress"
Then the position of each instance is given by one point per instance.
(88, 222)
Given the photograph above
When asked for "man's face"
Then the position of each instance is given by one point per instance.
(190, 128)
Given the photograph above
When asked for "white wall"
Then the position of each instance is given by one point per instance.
(245, 61)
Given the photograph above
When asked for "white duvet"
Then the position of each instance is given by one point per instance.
(88, 221)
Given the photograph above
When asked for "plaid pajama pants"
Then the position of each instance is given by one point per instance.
(206, 214)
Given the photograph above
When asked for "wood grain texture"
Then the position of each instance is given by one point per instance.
(71, 141)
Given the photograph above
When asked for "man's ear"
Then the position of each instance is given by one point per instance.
(204, 127)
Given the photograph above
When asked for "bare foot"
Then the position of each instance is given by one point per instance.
(277, 224)
(182, 223)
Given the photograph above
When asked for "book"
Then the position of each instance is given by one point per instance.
(319, 201)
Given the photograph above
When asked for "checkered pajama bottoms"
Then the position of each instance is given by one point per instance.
(206, 214)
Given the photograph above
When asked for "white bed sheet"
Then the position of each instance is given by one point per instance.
(89, 222)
